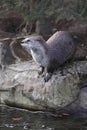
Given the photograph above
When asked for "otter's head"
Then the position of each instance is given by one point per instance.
(33, 42)
(36, 46)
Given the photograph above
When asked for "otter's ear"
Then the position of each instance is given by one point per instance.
(39, 40)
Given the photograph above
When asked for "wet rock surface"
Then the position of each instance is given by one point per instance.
(21, 86)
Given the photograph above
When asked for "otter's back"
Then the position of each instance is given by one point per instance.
(61, 46)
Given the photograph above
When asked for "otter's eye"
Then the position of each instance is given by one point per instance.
(28, 40)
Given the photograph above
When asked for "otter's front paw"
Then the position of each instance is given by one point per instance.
(4, 67)
(47, 77)
(41, 70)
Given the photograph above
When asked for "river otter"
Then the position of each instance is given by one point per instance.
(52, 53)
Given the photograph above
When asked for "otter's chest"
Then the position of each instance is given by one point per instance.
(40, 58)
(36, 57)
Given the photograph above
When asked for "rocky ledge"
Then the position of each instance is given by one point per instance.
(20, 86)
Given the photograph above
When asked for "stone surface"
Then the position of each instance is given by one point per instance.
(83, 98)
(21, 86)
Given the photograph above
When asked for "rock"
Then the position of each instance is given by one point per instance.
(22, 87)
(82, 71)
(83, 98)
(82, 67)
(80, 105)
